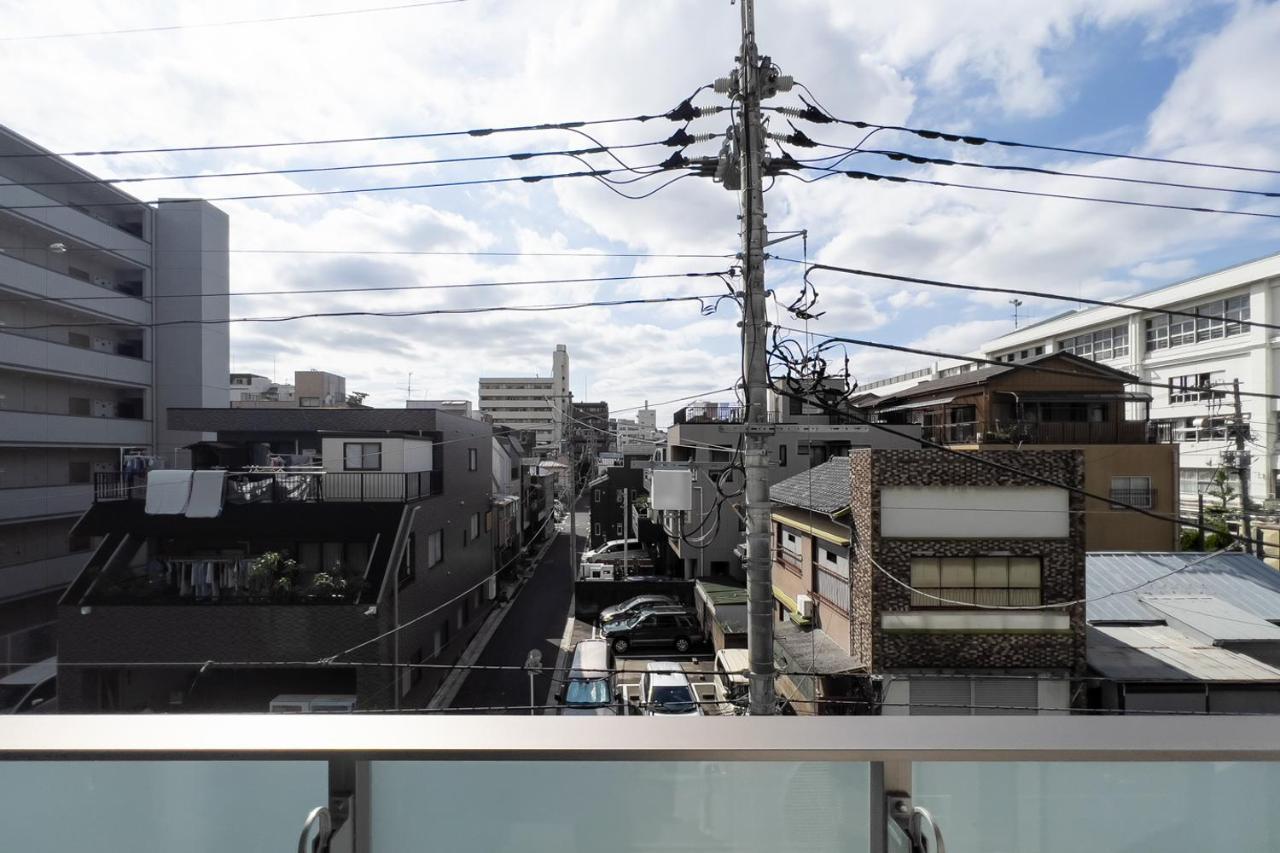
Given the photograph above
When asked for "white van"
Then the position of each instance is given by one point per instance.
(31, 690)
(589, 689)
(733, 688)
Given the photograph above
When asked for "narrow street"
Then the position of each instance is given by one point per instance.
(536, 621)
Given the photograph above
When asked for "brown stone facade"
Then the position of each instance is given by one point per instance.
(872, 593)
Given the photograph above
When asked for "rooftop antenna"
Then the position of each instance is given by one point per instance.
(1015, 303)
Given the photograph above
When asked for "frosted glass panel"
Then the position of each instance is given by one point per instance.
(620, 807)
(1173, 807)
(133, 806)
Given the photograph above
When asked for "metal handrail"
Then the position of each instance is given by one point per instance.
(319, 818)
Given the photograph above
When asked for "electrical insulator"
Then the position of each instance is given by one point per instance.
(725, 85)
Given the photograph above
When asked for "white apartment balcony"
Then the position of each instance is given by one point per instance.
(35, 280)
(44, 501)
(351, 784)
(36, 428)
(38, 356)
(25, 579)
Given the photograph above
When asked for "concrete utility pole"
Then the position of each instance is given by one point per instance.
(570, 496)
(1241, 464)
(755, 334)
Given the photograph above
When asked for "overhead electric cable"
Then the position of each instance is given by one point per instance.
(584, 253)
(900, 179)
(210, 24)
(1039, 294)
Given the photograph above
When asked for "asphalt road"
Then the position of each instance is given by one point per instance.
(536, 621)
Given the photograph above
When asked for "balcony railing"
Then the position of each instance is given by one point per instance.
(292, 486)
(754, 784)
(1067, 432)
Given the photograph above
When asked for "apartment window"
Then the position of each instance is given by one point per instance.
(958, 581)
(409, 562)
(595, 496)
(782, 456)
(473, 529)
(1101, 345)
(488, 521)
(362, 456)
(1197, 481)
(473, 459)
(1134, 491)
(309, 402)
(435, 548)
(1040, 350)
(1192, 388)
(595, 529)
(791, 543)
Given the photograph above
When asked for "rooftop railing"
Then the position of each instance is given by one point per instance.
(244, 487)
(348, 783)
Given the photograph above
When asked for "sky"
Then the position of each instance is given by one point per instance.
(1166, 78)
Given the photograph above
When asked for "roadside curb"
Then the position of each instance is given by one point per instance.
(562, 659)
(453, 682)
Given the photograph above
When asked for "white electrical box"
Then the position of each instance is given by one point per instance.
(672, 489)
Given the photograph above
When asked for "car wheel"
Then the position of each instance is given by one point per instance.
(682, 645)
(620, 646)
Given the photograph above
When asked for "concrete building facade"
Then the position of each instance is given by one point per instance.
(84, 379)
(532, 403)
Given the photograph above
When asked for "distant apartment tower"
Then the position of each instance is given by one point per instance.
(531, 403)
(84, 376)
(311, 389)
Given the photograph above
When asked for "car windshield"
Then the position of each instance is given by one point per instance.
(11, 695)
(673, 699)
(587, 692)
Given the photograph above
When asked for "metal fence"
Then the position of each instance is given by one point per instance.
(244, 487)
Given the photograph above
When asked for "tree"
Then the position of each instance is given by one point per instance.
(356, 399)
(1221, 492)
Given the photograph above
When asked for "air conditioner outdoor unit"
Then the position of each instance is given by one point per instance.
(333, 704)
(804, 604)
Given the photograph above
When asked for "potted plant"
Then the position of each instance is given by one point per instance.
(272, 575)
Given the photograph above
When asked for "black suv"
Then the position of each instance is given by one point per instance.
(666, 626)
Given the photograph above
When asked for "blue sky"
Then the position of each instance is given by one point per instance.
(1187, 79)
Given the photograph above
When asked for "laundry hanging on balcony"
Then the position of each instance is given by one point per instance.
(206, 494)
(168, 492)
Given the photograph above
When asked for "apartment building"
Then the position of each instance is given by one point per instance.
(310, 389)
(705, 437)
(1192, 360)
(889, 555)
(246, 564)
(532, 403)
(85, 270)
(1059, 400)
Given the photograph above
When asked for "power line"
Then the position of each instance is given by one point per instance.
(306, 170)
(582, 253)
(899, 179)
(74, 301)
(272, 20)
(969, 139)
(705, 301)
(677, 114)
(918, 160)
(1039, 294)
(974, 359)
(528, 179)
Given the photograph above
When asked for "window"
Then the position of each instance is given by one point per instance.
(473, 459)
(595, 529)
(831, 580)
(472, 532)
(409, 562)
(1134, 491)
(975, 580)
(1192, 388)
(488, 521)
(595, 496)
(309, 402)
(782, 456)
(362, 456)
(1197, 481)
(1101, 345)
(791, 544)
(1222, 320)
(435, 547)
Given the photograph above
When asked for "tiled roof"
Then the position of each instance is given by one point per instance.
(823, 488)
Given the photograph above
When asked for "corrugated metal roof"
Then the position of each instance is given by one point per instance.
(1238, 579)
(1160, 653)
(1212, 619)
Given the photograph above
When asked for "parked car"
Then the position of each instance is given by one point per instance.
(634, 605)
(667, 626)
(32, 689)
(615, 550)
(588, 690)
(665, 691)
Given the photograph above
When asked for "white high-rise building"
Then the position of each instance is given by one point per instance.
(84, 380)
(532, 403)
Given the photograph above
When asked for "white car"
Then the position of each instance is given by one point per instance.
(665, 691)
(33, 689)
(614, 550)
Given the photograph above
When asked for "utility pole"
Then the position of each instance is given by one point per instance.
(573, 477)
(1016, 303)
(748, 83)
(1241, 464)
